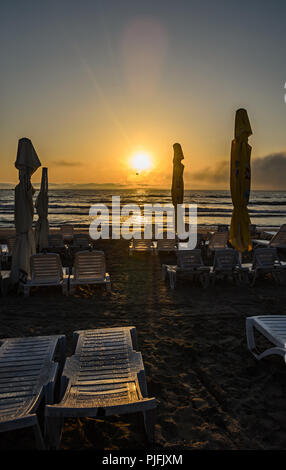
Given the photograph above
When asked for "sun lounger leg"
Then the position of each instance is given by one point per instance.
(149, 421)
(205, 280)
(26, 291)
(53, 432)
(250, 336)
(65, 289)
(254, 278)
(38, 436)
(172, 278)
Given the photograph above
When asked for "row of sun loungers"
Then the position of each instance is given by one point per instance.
(104, 376)
(226, 263)
(47, 270)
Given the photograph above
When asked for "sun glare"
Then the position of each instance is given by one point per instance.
(141, 162)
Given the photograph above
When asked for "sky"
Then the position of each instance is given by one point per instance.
(92, 83)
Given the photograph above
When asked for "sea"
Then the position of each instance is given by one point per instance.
(266, 208)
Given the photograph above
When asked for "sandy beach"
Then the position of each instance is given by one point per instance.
(211, 392)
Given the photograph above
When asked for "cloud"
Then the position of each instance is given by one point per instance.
(270, 171)
(267, 172)
(218, 173)
(66, 163)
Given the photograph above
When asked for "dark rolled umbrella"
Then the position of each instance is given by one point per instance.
(27, 162)
(240, 176)
(177, 190)
(41, 204)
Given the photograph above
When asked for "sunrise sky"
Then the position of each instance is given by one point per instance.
(92, 83)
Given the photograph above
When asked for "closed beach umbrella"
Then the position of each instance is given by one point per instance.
(240, 183)
(178, 180)
(27, 162)
(42, 201)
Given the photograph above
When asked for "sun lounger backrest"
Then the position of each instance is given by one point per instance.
(218, 240)
(226, 259)
(189, 258)
(56, 240)
(141, 244)
(89, 265)
(11, 241)
(67, 232)
(46, 267)
(279, 239)
(165, 244)
(81, 240)
(265, 257)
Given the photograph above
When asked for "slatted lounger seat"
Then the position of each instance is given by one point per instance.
(105, 376)
(46, 270)
(227, 263)
(141, 246)
(27, 374)
(266, 261)
(273, 327)
(89, 268)
(188, 262)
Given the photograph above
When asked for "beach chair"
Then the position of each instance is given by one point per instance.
(266, 261)
(273, 328)
(89, 268)
(188, 262)
(4, 281)
(81, 241)
(166, 245)
(277, 241)
(11, 242)
(46, 270)
(141, 246)
(27, 375)
(67, 233)
(218, 241)
(227, 263)
(104, 376)
(56, 241)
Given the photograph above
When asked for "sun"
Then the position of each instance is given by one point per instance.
(141, 161)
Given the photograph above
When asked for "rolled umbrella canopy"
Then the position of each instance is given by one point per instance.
(177, 190)
(240, 176)
(42, 201)
(27, 162)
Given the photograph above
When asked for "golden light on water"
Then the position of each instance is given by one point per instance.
(141, 161)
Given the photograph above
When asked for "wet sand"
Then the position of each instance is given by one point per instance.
(211, 392)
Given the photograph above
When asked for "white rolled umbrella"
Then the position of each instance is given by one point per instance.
(27, 162)
(42, 202)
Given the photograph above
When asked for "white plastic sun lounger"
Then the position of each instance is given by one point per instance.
(46, 270)
(105, 376)
(89, 268)
(141, 246)
(56, 242)
(218, 241)
(188, 262)
(67, 232)
(165, 244)
(266, 261)
(273, 327)
(81, 240)
(277, 241)
(27, 374)
(227, 263)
